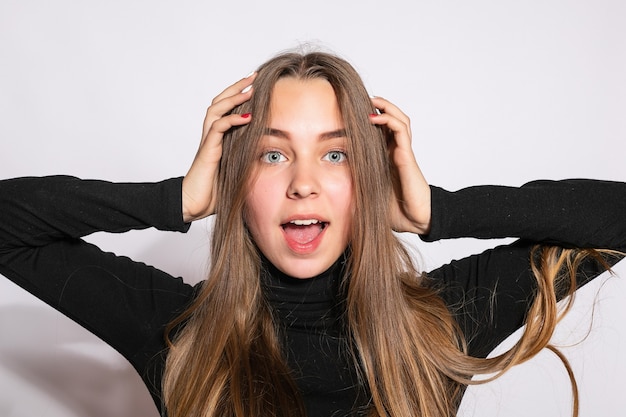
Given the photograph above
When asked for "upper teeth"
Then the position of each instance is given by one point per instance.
(304, 222)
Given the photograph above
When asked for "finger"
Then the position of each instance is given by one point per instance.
(235, 88)
(223, 124)
(385, 106)
(400, 128)
(230, 98)
(220, 126)
(218, 110)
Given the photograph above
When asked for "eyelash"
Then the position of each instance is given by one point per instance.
(265, 156)
(341, 153)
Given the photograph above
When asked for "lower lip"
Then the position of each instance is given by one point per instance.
(307, 248)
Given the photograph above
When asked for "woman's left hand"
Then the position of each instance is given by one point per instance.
(411, 204)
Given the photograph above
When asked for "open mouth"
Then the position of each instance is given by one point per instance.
(303, 231)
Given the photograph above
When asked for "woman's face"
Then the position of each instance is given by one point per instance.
(300, 209)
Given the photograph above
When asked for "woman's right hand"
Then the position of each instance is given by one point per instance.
(200, 184)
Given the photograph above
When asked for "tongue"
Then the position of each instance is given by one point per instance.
(302, 234)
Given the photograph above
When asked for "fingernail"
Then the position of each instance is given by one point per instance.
(245, 115)
(245, 90)
(373, 114)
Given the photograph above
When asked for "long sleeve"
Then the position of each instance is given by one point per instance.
(125, 303)
(490, 293)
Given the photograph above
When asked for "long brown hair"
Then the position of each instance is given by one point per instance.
(225, 358)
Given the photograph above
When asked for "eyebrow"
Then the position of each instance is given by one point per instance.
(339, 133)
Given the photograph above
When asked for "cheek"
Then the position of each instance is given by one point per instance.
(253, 222)
(341, 194)
(340, 187)
(251, 213)
(260, 204)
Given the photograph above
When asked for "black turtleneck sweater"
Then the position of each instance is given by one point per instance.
(127, 303)
(309, 312)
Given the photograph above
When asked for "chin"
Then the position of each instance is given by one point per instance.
(304, 269)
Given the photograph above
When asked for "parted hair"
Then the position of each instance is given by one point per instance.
(224, 356)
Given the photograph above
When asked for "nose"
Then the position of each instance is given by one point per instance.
(305, 180)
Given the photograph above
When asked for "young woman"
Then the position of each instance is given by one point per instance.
(312, 306)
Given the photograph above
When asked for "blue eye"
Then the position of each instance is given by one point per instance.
(335, 157)
(273, 157)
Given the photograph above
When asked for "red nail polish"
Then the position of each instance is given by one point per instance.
(373, 114)
(245, 115)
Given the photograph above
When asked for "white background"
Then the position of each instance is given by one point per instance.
(498, 91)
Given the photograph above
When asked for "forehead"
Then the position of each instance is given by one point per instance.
(300, 103)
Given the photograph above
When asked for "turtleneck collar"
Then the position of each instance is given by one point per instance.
(311, 304)
(310, 313)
